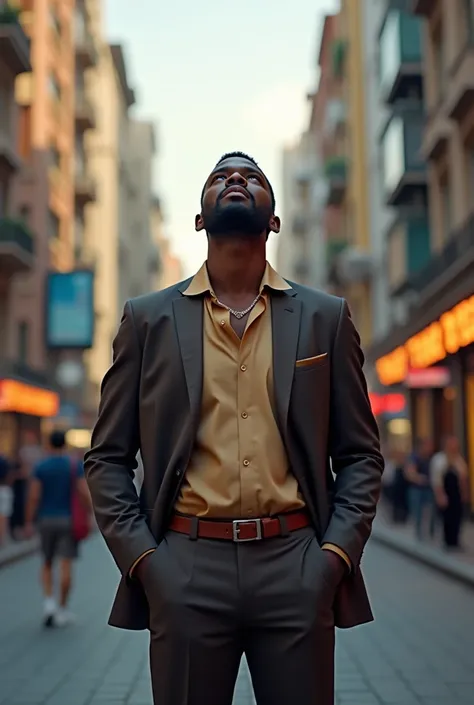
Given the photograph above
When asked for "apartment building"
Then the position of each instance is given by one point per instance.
(300, 245)
(339, 116)
(41, 200)
(435, 347)
(140, 266)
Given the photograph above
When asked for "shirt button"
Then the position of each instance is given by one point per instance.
(243, 367)
(222, 323)
(246, 463)
(244, 415)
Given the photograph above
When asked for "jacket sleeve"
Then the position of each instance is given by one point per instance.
(354, 445)
(110, 462)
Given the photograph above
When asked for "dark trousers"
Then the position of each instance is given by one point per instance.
(211, 601)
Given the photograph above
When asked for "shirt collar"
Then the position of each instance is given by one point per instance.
(200, 283)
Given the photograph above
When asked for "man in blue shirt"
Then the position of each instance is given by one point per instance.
(52, 485)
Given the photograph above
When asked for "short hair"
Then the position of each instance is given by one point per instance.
(248, 158)
(57, 439)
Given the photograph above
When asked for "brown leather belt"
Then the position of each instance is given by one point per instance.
(240, 530)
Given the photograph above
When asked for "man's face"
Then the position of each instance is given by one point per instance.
(237, 201)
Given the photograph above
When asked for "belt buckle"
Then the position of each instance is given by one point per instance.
(236, 530)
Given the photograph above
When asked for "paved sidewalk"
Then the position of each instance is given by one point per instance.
(458, 565)
(15, 550)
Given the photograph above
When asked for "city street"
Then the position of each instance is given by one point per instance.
(419, 650)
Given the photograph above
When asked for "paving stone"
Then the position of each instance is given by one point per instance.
(416, 652)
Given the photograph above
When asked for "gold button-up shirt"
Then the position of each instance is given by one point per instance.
(239, 467)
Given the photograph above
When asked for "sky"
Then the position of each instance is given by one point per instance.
(216, 77)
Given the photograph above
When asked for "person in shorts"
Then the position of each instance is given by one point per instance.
(50, 499)
(6, 498)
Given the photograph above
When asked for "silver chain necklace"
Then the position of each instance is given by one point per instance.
(240, 314)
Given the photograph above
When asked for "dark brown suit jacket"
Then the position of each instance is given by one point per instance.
(151, 401)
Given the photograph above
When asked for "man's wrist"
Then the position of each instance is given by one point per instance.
(135, 569)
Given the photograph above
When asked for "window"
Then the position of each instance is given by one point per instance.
(24, 131)
(55, 22)
(390, 51)
(54, 226)
(25, 214)
(23, 342)
(54, 88)
(55, 157)
(446, 207)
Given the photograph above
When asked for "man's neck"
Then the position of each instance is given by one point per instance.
(236, 267)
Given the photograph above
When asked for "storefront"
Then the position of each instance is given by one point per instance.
(22, 408)
(436, 367)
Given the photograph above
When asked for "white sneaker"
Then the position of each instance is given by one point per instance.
(63, 618)
(49, 611)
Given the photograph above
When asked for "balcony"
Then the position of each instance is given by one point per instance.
(300, 225)
(459, 250)
(335, 117)
(86, 52)
(85, 113)
(339, 54)
(424, 7)
(16, 247)
(460, 88)
(334, 249)
(354, 265)
(404, 168)
(10, 161)
(85, 187)
(409, 249)
(14, 44)
(336, 175)
(400, 46)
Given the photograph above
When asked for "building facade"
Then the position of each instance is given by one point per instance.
(433, 353)
(338, 116)
(300, 247)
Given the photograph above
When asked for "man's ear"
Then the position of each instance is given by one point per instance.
(275, 224)
(199, 222)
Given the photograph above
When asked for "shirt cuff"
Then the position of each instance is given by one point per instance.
(342, 554)
(147, 553)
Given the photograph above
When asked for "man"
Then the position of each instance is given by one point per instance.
(241, 390)
(52, 484)
(420, 492)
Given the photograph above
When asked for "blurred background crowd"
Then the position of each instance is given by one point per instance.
(376, 200)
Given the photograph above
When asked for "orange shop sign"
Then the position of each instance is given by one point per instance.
(21, 398)
(452, 331)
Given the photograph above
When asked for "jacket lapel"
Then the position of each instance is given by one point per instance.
(188, 315)
(286, 316)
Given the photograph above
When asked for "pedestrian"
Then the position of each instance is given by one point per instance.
(242, 391)
(399, 488)
(449, 477)
(53, 485)
(6, 499)
(421, 500)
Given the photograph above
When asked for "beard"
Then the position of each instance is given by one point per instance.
(236, 219)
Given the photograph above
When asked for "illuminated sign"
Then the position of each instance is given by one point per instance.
(429, 378)
(21, 398)
(387, 403)
(453, 330)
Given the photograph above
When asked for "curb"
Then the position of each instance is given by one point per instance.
(429, 556)
(17, 551)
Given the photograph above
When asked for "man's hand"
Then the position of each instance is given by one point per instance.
(337, 566)
(140, 568)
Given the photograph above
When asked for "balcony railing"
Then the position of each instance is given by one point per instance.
(455, 250)
(14, 44)
(401, 57)
(85, 113)
(16, 246)
(336, 175)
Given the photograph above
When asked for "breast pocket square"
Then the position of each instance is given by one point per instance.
(310, 361)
